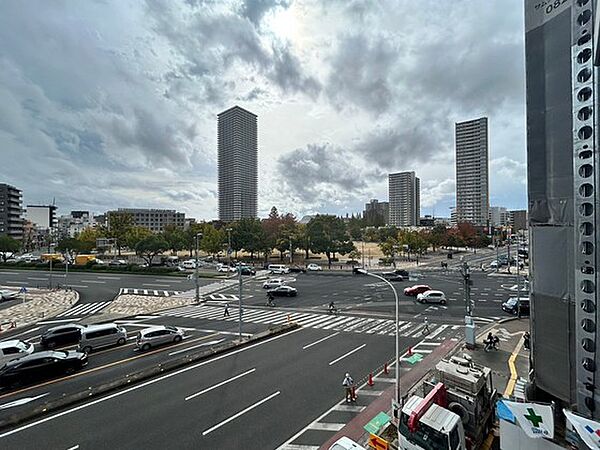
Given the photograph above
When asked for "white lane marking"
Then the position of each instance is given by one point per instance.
(242, 412)
(299, 447)
(37, 279)
(21, 401)
(155, 284)
(16, 282)
(350, 408)
(75, 447)
(78, 285)
(436, 332)
(27, 332)
(222, 383)
(93, 281)
(48, 322)
(109, 278)
(320, 340)
(169, 281)
(196, 346)
(434, 343)
(347, 354)
(371, 393)
(324, 426)
(142, 385)
(386, 380)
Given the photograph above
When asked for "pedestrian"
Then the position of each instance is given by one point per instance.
(426, 327)
(226, 312)
(348, 384)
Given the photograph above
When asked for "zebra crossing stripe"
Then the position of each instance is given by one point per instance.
(84, 309)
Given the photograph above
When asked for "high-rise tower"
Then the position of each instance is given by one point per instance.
(404, 199)
(238, 164)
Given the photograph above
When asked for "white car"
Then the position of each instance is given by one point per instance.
(432, 297)
(189, 264)
(494, 265)
(273, 283)
(345, 443)
(225, 268)
(8, 295)
(312, 267)
(278, 269)
(14, 349)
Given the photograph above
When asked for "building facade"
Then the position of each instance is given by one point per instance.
(42, 216)
(11, 210)
(472, 178)
(404, 199)
(237, 164)
(154, 219)
(499, 216)
(74, 223)
(518, 220)
(563, 177)
(376, 213)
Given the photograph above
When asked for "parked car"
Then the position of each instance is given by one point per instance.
(158, 335)
(358, 271)
(278, 269)
(494, 265)
(103, 335)
(14, 349)
(284, 291)
(297, 269)
(247, 270)
(117, 262)
(432, 297)
(190, 264)
(345, 443)
(8, 295)
(312, 267)
(392, 276)
(417, 289)
(402, 272)
(41, 365)
(511, 306)
(226, 268)
(273, 283)
(61, 335)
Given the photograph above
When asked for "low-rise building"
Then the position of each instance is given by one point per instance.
(156, 220)
(376, 213)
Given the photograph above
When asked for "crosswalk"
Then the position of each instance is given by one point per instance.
(152, 292)
(222, 297)
(84, 309)
(352, 324)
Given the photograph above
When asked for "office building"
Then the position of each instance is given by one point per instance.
(499, 216)
(376, 213)
(237, 164)
(404, 199)
(561, 85)
(43, 217)
(74, 223)
(472, 180)
(11, 209)
(156, 220)
(518, 220)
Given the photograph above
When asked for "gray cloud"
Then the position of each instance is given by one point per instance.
(255, 10)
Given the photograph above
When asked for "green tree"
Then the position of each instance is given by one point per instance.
(355, 227)
(328, 235)
(70, 244)
(8, 245)
(87, 239)
(302, 238)
(248, 234)
(213, 240)
(119, 224)
(175, 237)
(189, 236)
(151, 246)
(287, 235)
(135, 235)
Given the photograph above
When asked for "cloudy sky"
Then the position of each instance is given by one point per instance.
(107, 104)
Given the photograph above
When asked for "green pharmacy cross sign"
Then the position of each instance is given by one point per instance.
(533, 417)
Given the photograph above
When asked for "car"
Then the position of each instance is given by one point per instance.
(432, 297)
(8, 295)
(189, 264)
(511, 306)
(222, 268)
(312, 267)
(117, 262)
(345, 443)
(415, 290)
(358, 271)
(392, 276)
(102, 335)
(402, 272)
(41, 365)
(158, 335)
(284, 291)
(278, 269)
(297, 269)
(247, 270)
(13, 349)
(494, 265)
(273, 283)
(61, 335)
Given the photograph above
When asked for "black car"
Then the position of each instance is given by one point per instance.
(61, 335)
(392, 276)
(297, 269)
(283, 291)
(511, 306)
(402, 272)
(248, 271)
(40, 366)
(358, 271)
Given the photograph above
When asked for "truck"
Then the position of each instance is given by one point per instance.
(82, 260)
(54, 257)
(455, 412)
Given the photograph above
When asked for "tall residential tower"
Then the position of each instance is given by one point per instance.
(238, 164)
(11, 209)
(472, 181)
(404, 199)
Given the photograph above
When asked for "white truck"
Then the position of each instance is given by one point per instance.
(456, 411)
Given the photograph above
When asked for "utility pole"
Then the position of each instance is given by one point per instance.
(363, 252)
(67, 269)
(240, 298)
(518, 283)
(291, 252)
(465, 271)
(198, 236)
(50, 271)
(229, 244)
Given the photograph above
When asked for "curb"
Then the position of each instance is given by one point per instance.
(129, 379)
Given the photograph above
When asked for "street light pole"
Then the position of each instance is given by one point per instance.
(291, 252)
(465, 271)
(397, 331)
(240, 298)
(67, 270)
(198, 236)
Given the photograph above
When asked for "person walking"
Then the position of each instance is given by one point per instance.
(348, 384)
(426, 329)
(226, 312)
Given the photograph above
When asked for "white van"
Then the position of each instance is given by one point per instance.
(104, 335)
(278, 268)
(189, 264)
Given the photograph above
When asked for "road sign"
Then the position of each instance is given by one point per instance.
(378, 443)
(23, 290)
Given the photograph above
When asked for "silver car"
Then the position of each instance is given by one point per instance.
(8, 295)
(104, 335)
(158, 335)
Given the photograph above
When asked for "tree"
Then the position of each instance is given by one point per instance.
(355, 227)
(249, 235)
(212, 240)
(119, 224)
(151, 246)
(87, 238)
(69, 244)
(328, 235)
(189, 236)
(8, 245)
(175, 237)
(303, 238)
(135, 235)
